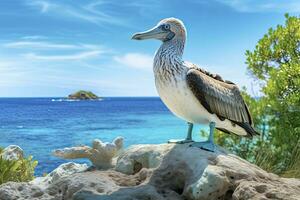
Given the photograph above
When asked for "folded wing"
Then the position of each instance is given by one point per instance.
(218, 97)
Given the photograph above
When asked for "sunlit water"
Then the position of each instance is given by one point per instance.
(40, 125)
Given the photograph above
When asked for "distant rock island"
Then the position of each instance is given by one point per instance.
(83, 95)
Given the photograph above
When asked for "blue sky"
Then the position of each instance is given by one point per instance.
(52, 48)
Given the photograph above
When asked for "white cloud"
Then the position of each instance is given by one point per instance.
(40, 45)
(43, 5)
(263, 6)
(34, 37)
(68, 57)
(30, 51)
(48, 51)
(135, 60)
(23, 44)
(12, 73)
(92, 12)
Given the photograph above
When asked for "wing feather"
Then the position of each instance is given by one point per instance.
(217, 96)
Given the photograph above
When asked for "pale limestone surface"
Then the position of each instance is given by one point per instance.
(62, 171)
(164, 171)
(40, 187)
(100, 154)
(12, 152)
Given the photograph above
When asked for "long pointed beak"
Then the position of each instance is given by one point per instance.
(154, 33)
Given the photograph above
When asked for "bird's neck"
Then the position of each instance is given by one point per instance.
(169, 55)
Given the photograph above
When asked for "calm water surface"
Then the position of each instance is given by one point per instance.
(40, 125)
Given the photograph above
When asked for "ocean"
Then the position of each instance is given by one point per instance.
(40, 125)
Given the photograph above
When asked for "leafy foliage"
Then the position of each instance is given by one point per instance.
(275, 63)
(16, 170)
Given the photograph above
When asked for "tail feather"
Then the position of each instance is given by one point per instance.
(224, 130)
(246, 126)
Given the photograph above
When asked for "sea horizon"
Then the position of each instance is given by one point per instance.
(67, 97)
(40, 125)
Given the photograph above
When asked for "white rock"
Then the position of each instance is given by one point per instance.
(137, 156)
(165, 171)
(12, 152)
(212, 176)
(100, 154)
(21, 191)
(63, 170)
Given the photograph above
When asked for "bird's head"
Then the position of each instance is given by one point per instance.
(165, 30)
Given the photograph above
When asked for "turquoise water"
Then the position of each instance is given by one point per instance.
(40, 125)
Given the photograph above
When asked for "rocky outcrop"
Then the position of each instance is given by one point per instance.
(164, 171)
(83, 95)
(100, 154)
(62, 171)
(12, 152)
(41, 187)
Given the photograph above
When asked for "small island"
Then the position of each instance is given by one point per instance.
(83, 95)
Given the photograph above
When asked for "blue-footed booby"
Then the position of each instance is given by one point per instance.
(191, 93)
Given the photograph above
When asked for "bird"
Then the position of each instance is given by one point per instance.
(192, 93)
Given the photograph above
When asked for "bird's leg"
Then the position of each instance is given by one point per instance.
(190, 131)
(212, 126)
(188, 136)
(209, 144)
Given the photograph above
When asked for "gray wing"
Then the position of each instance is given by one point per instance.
(217, 96)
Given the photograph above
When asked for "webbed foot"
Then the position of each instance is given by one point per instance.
(207, 145)
(180, 141)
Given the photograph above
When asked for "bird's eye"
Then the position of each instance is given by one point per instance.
(167, 26)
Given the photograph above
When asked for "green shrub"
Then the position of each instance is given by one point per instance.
(17, 170)
(275, 65)
(269, 151)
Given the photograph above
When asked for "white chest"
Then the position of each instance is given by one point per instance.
(177, 96)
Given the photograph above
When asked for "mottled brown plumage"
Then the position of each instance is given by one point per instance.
(220, 97)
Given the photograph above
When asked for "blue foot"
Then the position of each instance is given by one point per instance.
(180, 141)
(207, 145)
